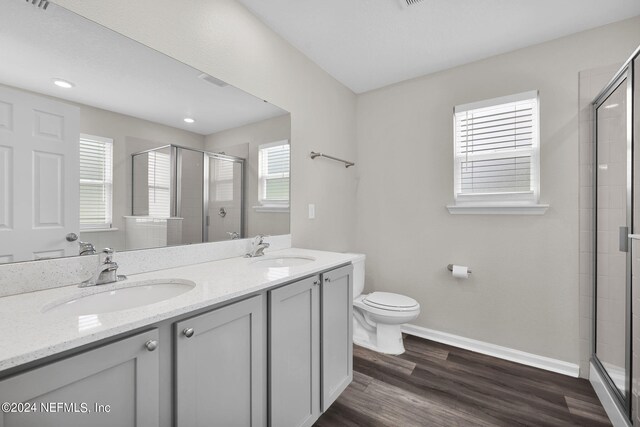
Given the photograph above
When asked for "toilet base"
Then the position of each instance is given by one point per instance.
(385, 339)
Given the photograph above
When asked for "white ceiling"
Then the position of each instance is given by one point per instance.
(113, 72)
(367, 44)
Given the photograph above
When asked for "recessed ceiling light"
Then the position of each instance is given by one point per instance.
(608, 107)
(189, 120)
(63, 83)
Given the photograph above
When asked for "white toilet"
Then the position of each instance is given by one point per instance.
(377, 316)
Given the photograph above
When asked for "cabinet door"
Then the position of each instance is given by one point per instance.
(337, 334)
(117, 383)
(295, 349)
(220, 367)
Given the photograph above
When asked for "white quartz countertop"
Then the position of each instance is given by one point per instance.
(28, 334)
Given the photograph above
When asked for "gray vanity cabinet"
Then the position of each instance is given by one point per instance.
(294, 379)
(310, 346)
(117, 382)
(337, 333)
(220, 362)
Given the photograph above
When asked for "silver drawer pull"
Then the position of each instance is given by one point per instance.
(316, 282)
(326, 279)
(188, 332)
(151, 345)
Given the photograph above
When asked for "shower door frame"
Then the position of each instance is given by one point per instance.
(176, 177)
(207, 182)
(623, 76)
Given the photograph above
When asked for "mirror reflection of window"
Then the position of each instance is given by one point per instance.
(96, 182)
(223, 178)
(273, 173)
(159, 180)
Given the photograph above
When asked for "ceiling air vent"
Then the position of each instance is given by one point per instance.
(407, 3)
(42, 4)
(212, 80)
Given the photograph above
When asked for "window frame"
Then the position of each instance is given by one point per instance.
(499, 202)
(268, 205)
(107, 183)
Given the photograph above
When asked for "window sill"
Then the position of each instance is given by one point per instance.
(98, 230)
(271, 208)
(489, 209)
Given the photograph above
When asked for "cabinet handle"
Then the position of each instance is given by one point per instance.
(151, 345)
(316, 282)
(188, 332)
(326, 279)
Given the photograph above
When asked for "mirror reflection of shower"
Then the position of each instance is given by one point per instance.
(185, 196)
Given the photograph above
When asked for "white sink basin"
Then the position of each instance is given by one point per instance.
(132, 295)
(282, 262)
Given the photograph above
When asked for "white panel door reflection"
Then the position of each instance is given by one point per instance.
(39, 152)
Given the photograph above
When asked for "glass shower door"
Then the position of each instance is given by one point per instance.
(225, 197)
(613, 222)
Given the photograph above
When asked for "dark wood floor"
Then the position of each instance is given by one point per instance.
(433, 384)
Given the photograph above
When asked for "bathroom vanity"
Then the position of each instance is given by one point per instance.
(254, 342)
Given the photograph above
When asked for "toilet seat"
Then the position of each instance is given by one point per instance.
(390, 301)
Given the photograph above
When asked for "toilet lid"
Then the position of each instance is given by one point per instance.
(389, 301)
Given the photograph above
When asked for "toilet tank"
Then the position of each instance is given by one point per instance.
(358, 274)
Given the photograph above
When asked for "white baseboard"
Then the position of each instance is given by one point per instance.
(614, 412)
(542, 362)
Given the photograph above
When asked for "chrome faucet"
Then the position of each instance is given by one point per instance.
(107, 271)
(87, 248)
(258, 245)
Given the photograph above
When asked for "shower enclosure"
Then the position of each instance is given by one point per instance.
(616, 213)
(184, 196)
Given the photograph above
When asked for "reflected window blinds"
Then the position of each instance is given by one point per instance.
(159, 184)
(96, 182)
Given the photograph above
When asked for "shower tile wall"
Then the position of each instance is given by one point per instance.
(591, 83)
(150, 232)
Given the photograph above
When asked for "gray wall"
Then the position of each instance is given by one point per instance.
(524, 289)
(523, 292)
(244, 142)
(223, 39)
(129, 135)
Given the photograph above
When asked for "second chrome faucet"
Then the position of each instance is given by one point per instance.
(107, 271)
(258, 245)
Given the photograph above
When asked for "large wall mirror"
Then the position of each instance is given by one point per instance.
(105, 142)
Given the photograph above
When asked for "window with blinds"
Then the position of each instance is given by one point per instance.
(159, 184)
(96, 182)
(273, 173)
(223, 180)
(496, 150)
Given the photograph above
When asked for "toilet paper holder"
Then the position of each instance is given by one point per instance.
(450, 268)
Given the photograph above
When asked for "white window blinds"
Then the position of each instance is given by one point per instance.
(496, 150)
(96, 182)
(273, 173)
(159, 188)
(223, 179)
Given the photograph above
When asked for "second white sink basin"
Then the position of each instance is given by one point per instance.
(282, 261)
(133, 295)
